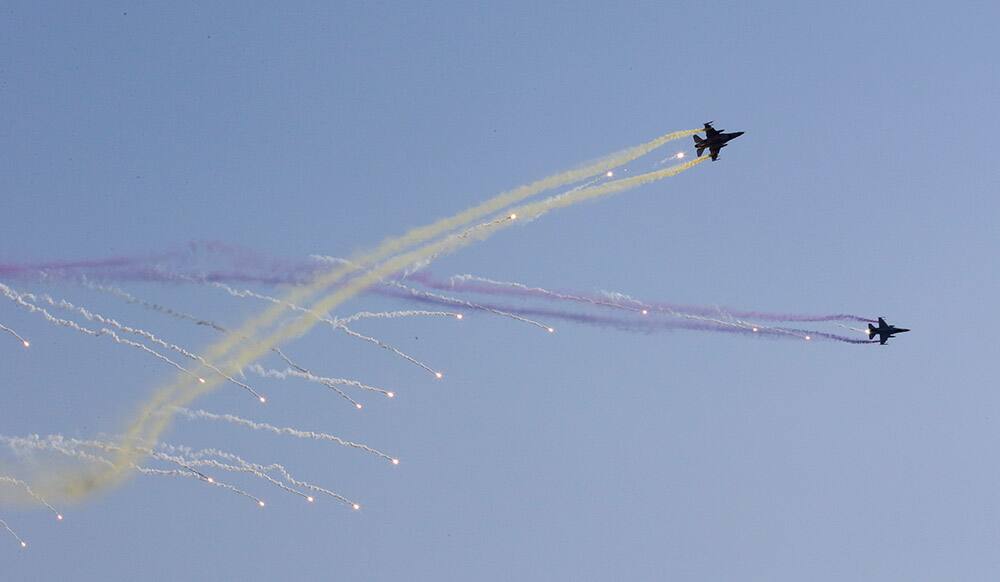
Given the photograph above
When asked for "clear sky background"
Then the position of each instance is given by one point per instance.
(866, 183)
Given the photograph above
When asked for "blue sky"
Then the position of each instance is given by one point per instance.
(865, 183)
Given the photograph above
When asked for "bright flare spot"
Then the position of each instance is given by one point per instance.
(610, 174)
(210, 480)
(438, 375)
(459, 316)
(310, 499)
(390, 394)
(263, 400)
(680, 155)
(645, 312)
(395, 461)
(260, 503)
(355, 506)
(513, 216)
(551, 330)
(808, 338)
(202, 380)
(27, 344)
(358, 406)
(755, 330)
(24, 544)
(59, 517)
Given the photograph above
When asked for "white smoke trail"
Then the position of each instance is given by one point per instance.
(302, 434)
(333, 322)
(32, 308)
(397, 314)
(284, 474)
(75, 448)
(541, 291)
(8, 330)
(20, 541)
(469, 304)
(237, 464)
(27, 488)
(445, 298)
(332, 383)
(857, 329)
(97, 317)
(129, 298)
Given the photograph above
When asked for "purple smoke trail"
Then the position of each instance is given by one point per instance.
(632, 324)
(473, 284)
(248, 266)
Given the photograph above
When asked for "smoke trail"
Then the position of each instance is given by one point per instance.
(32, 308)
(397, 314)
(285, 475)
(302, 372)
(476, 284)
(93, 316)
(302, 434)
(150, 423)
(128, 297)
(27, 488)
(332, 322)
(23, 543)
(23, 341)
(469, 304)
(440, 299)
(332, 383)
(258, 470)
(260, 371)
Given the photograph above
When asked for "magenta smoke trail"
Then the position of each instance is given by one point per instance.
(481, 286)
(641, 324)
(247, 266)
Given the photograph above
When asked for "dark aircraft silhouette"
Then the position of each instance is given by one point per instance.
(714, 140)
(884, 331)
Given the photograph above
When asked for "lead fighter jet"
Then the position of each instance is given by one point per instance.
(884, 331)
(714, 140)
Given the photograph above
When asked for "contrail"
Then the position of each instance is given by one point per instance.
(302, 434)
(32, 308)
(23, 341)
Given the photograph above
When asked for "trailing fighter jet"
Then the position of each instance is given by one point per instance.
(884, 331)
(714, 140)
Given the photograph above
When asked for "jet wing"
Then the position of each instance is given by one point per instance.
(710, 131)
(882, 323)
(715, 152)
(882, 339)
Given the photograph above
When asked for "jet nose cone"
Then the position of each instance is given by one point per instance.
(738, 133)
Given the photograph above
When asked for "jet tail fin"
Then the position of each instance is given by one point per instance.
(699, 144)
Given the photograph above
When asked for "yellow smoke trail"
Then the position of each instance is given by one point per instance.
(422, 234)
(151, 421)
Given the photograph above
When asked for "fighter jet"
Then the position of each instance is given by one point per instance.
(714, 140)
(884, 331)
